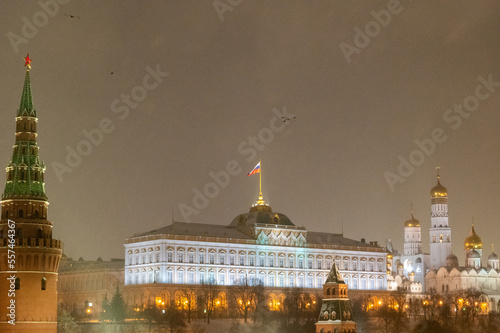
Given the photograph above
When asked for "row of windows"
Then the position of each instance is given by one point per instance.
(20, 213)
(271, 280)
(19, 233)
(242, 261)
(43, 283)
(441, 239)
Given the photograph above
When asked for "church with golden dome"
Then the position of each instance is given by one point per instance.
(475, 274)
(407, 269)
(440, 271)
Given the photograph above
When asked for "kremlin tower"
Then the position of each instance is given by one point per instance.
(440, 231)
(336, 312)
(29, 256)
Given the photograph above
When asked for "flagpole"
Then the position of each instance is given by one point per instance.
(260, 179)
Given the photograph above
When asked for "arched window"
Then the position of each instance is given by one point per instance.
(44, 283)
(328, 291)
(39, 233)
(18, 283)
(21, 213)
(36, 214)
(19, 233)
(6, 213)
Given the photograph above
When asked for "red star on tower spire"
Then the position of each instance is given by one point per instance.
(27, 61)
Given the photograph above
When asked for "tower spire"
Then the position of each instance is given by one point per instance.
(25, 172)
(26, 105)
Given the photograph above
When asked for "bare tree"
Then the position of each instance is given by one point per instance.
(172, 320)
(398, 300)
(248, 298)
(188, 302)
(209, 292)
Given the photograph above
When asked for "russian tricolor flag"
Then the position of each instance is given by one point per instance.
(255, 170)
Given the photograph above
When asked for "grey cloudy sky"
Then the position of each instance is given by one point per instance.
(225, 78)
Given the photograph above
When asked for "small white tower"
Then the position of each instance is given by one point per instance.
(413, 236)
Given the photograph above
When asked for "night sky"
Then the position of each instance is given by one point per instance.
(220, 75)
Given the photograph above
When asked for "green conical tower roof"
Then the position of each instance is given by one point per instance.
(26, 107)
(25, 172)
(334, 275)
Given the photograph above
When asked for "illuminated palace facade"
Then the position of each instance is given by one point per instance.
(261, 246)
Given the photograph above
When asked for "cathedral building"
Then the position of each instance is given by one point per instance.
(472, 276)
(408, 270)
(29, 256)
(261, 245)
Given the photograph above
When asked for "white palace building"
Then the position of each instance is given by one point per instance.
(261, 246)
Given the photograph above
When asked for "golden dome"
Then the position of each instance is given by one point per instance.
(412, 223)
(439, 191)
(473, 241)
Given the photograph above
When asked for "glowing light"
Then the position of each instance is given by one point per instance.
(90, 304)
(89, 310)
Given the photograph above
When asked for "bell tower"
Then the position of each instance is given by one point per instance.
(29, 256)
(440, 231)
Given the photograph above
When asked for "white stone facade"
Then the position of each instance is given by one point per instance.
(165, 256)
